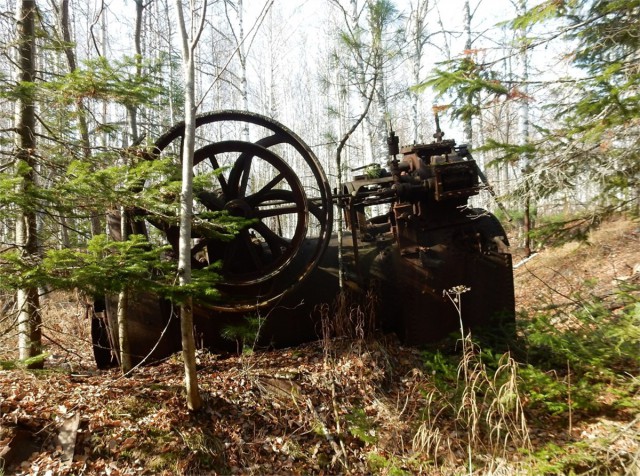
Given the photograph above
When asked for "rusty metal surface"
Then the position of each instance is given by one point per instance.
(261, 263)
(426, 242)
(429, 242)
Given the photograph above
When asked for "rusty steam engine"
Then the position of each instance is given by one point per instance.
(410, 237)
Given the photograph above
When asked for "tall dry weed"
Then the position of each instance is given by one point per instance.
(481, 417)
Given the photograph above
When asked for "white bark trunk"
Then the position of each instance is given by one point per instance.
(194, 401)
(243, 67)
(123, 306)
(468, 124)
(29, 318)
(523, 128)
(417, 39)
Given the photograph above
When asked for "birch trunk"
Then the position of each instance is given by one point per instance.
(123, 306)
(194, 401)
(523, 129)
(243, 67)
(417, 39)
(468, 124)
(29, 318)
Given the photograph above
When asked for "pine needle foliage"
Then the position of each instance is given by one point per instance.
(110, 81)
(586, 140)
(100, 265)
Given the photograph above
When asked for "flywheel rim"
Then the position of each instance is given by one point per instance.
(241, 294)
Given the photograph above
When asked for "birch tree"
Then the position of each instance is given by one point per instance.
(189, 41)
(468, 41)
(523, 124)
(29, 318)
(241, 52)
(417, 35)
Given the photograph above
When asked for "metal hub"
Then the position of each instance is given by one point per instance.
(239, 208)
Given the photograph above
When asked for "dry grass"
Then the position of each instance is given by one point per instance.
(480, 417)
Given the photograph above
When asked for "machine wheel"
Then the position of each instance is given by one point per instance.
(101, 337)
(288, 214)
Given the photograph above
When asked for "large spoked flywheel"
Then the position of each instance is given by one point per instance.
(254, 168)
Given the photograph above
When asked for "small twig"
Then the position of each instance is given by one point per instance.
(68, 351)
(529, 258)
(339, 453)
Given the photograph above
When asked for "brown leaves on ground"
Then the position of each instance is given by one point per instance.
(561, 276)
(290, 411)
(344, 406)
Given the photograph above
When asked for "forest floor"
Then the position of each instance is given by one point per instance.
(343, 406)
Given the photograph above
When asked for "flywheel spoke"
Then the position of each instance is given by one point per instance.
(223, 181)
(255, 185)
(256, 197)
(246, 170)
(277, 244)
(274, 212)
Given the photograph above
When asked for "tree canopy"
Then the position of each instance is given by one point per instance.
(583, 153)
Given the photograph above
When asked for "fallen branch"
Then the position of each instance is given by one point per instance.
(527, 259)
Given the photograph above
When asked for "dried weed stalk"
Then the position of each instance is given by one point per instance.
(488, 416)
(350, 319)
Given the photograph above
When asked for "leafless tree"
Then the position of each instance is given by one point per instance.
(189, 40)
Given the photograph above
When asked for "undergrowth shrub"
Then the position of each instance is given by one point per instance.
(571, 356)
(567, 365)
(245, 333)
